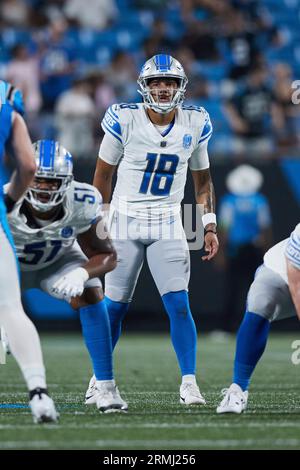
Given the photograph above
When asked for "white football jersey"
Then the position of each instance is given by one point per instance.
(38, 247)
(275, 258)
(153, 166)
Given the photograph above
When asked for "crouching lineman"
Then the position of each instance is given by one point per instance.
(63, 249)
(273, 295)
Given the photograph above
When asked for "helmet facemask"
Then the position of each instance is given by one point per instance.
(162, 107)
(161, 67)
(55, 196)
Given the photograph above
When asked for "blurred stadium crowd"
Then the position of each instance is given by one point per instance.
(73, 58)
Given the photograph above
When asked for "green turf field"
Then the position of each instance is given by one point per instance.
(148, 379)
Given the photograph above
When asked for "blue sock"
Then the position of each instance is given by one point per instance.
(183, 330)
(251, 342)
(96, 332)
(116, 313)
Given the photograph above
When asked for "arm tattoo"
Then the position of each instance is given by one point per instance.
(204, 190)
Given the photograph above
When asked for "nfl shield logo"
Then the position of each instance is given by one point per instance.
(67, 232)
(186, 141)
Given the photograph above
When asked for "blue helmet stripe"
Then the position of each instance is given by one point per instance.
(163, 62)
(47, 153)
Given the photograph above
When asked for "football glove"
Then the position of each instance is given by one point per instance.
(71, 284)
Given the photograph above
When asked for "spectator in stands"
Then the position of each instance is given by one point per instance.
(15, 13)
(102, 92)
(201, 38)
(242, 42)
(288, 112)
(198, 88)
(97, 14)
(159, 40)
(23, 72)
(253, 114)
(75, 115)
(244, 223)
(122, 76)
(57, 63)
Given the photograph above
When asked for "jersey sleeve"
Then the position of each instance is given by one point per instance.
(206, 130)
(91, 209)
(199, 159)
(292, 251)
(111, 123)
(111, 150)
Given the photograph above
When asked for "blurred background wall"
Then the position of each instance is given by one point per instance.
(73, 58)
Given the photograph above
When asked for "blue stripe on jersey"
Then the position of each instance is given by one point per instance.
(170, 126)
(106, 128)
(113, 113)
(206, 131)
(293, 251)
(162, 62)
(112, 124)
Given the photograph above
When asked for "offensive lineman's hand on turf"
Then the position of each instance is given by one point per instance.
(211, 246)
(71, 284)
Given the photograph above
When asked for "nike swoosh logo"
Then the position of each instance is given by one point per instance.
(183, 399)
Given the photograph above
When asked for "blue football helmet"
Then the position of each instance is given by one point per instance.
(162, 66)
(54, 164)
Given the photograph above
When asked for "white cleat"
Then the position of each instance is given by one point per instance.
(43, 408)
(191, 395)
(234, 401)
(109, 400)
(106, 396)
(91, 393)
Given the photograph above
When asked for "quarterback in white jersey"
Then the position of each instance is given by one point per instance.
(273, 295)
(63, 248)
(153, 143)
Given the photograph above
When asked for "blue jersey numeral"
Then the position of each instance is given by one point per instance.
(128, 106)
(163, 175)
(38, 251)
(191, 108)
(82, 197)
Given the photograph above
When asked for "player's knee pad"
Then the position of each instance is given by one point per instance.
(118, 294)
(262, 301)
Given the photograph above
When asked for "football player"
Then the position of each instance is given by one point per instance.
(22, 335)
(154, 143)
(273, 295)
(63, 248)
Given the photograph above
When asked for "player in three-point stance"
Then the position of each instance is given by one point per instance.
(273, 295)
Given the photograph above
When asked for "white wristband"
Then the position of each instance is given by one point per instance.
(209, 218)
